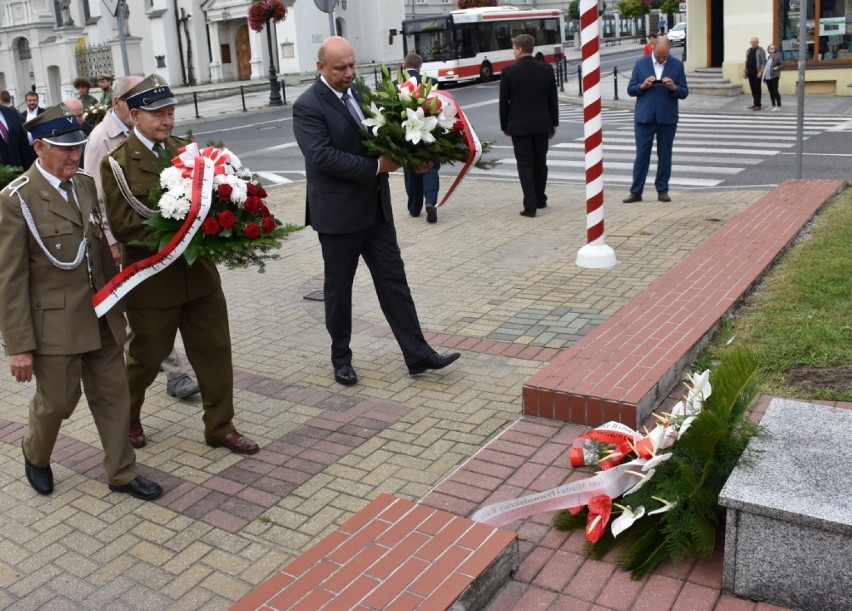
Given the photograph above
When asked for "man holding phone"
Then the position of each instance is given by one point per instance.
(658, 81)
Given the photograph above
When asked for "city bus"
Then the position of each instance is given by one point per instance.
(467, 44)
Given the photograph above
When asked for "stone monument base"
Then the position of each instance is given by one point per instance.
(788, 538)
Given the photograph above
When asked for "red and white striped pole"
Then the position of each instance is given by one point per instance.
(595, 254)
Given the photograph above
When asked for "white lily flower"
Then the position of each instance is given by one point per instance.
(678, 409)
(699, 389)
(666, 506)
(685, 426)
(648, 475)
(418, 126)
(448, 116)
(376, 119)
(626, 519)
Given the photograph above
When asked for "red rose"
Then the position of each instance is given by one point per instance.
(268, 225)
(253, 204)
(458, 126)
(210, 226)
(224, 191)
(251, 189)
(264, 211)
(261, 192)
(252, 231)
(226, 219)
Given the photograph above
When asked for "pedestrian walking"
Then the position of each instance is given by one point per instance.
(658, 81)
(529, 114)
(107, 135)
(755, 63)
(349, 206)
(177, 297)
(55, 257)
(772, 75)
(420, 186)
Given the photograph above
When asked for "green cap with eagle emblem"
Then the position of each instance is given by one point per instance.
(152, 93)
(57, 125)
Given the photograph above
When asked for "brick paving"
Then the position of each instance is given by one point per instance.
(227, 523)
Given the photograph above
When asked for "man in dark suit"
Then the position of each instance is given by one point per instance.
(33, 109)
(529, 113)
(54, 257)
(658, 82)
(349, 206)
(181, 296)
(15, 148)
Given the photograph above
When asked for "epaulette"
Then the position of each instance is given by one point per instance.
(84, 172)
(12, 187)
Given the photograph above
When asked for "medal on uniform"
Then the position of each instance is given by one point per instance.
(95, 224)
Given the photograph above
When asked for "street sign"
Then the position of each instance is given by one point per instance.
(326, 6)
(112, 6)
(681, 7)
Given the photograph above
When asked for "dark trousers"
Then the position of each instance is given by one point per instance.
(645, 134)
(203, 324)
(774, 96)
(420, 187)
(531, 156)
(756, 90)
(378, 246)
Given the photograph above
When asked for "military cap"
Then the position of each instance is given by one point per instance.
(152, 93)
(57, 125)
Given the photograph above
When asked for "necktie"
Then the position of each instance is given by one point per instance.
(160, 150)
(4, 131)
(346, 97)
(68, 189)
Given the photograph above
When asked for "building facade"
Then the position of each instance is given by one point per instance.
(46, 44)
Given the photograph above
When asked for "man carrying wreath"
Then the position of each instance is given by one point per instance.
(181, 296)
(349, 206)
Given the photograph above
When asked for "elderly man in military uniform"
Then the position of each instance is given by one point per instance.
(181, 296)
(54, 258)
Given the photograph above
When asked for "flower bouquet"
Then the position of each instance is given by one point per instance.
(238, 229)
(262, 10)
(414, 124)
(95, 113)
(654, 495)
(476, 3)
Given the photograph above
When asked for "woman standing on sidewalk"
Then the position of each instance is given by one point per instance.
(774, 65)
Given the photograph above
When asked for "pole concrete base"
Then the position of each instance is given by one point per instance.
(596, 256)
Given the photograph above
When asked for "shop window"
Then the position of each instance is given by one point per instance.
(829, 29)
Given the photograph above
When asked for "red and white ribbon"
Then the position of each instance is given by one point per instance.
(201, 168)
(613, 483)
(474, 146)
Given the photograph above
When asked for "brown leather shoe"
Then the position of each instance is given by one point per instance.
(236, 443)
(136, 435)
(663, 196)
(633, 197)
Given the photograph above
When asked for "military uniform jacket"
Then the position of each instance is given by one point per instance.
(178, 283)
(44, 309)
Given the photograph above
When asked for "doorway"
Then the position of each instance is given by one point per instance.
(716, 39)
(243, 53)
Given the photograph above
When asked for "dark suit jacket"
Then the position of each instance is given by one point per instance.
(528, 100)
(44, 309)
(39, 110)
(179, 282)
(344, 189)
(17, 151)
(657, 104)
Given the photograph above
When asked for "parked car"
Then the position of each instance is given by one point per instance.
(677, 35)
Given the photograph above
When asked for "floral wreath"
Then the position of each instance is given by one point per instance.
(262, 11)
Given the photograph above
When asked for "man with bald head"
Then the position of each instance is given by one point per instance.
(658, 81)
(349, 206)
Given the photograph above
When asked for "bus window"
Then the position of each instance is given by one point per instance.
(485, 38)
(503, 36)
(551, 32)
(466, 40)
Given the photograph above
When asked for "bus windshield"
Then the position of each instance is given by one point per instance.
(431, 38)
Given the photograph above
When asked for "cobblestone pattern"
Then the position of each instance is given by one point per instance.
(477, 268)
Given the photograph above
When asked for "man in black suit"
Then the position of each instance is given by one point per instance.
(33, 108)
(529, 113)
(349, 206)
(15, 147)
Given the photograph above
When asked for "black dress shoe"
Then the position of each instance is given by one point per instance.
(436, 361)
(345, 375)
(663, 196)
(40, 478)
(633, 197)
(540, 206)
(141, 488)
(529, 213)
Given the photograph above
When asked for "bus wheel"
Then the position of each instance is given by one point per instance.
(539, 56)
(486, 72)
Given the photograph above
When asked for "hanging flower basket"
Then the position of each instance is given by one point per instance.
(476, 3)
(262, 10)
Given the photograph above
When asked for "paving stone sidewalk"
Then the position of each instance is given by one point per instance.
(502, 289)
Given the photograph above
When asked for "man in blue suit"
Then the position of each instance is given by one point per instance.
(657, 82)
(14, 145)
